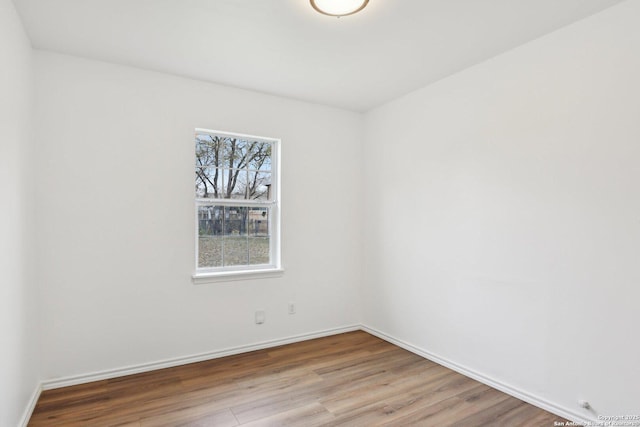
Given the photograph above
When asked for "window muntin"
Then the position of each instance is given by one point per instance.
(237, 202)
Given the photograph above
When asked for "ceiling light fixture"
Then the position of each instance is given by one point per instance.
(339, 7)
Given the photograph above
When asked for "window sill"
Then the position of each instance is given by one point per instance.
(227, 276)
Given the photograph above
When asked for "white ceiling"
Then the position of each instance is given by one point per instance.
(284, 47)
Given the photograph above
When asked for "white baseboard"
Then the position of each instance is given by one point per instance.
(184, 360)
(26, 416)
(491, 382)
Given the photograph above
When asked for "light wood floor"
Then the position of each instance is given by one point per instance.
(351, 379)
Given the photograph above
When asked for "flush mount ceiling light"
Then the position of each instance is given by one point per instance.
(339, 7)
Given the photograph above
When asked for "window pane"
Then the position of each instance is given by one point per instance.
(238, 183)
(259, 187)
(258, 222)
(224, 178)
(209, 183)
(259, 236)
(210, 226)
(260, 156)
(209, 150)
(234, 153)
(235, 244)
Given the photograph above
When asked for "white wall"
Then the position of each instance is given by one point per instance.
(18, 298)
(116, 217)
(503, 225)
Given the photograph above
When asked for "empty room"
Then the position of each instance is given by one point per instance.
(319, 212)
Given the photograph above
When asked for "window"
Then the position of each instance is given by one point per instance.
(237, 206)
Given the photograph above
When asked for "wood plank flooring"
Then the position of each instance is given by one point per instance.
(351, 379)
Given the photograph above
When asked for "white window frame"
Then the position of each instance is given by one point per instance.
(242, 272)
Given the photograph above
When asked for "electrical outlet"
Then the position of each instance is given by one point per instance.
(260, 317)
(292, 308)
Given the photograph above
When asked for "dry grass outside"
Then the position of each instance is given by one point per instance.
(222, 251)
